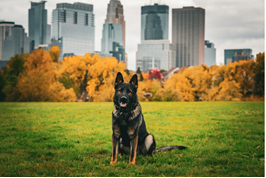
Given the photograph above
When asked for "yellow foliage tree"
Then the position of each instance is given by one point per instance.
(94, 74)
(102, 78)
(180, 83)
(245, 74)
(200, 80)
(224, 77)
(54, 52)
(229, 91)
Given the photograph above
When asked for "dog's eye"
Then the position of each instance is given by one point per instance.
(129, 91)
(120, 90)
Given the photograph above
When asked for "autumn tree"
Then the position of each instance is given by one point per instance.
(167, 93)
(102, 77)
(226, 87)
(155, 74)
(94, 74)
(38, 80)
(245, 76)
(54, 52)
(181, 83)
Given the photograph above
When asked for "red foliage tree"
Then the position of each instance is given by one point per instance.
(155, 74)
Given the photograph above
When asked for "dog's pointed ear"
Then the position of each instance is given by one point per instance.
(134, 81)
(119, 79)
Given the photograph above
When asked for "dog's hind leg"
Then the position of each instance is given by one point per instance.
(150, 145)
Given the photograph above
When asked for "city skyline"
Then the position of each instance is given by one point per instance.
(229, 25)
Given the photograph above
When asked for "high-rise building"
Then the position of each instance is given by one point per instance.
(154, 22)
(209, 54)
(155, 50)
(16, 43)
(5, 31)
(113, 34)
(38, 29)
(232, 55)
(115, 14)
(188, 26)
(73, 26)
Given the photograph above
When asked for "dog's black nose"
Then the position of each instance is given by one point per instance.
(123, 99)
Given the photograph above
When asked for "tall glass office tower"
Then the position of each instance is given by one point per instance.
(16, 43)
(5, 31)
(154, 22)
(38, 28)
(155, 50)
(209, 54)
(188, 28)
(113, 34)
(73, 26)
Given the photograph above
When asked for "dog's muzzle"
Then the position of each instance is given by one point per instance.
(123, 101)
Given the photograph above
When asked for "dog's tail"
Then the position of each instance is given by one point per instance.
(168, 148)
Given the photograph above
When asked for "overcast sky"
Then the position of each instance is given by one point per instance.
(229, 24)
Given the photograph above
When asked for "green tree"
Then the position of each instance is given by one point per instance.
(139, 74)
(2, 84)
(14, 68)
(259, 77)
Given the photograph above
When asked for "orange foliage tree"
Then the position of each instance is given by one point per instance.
(38, 80)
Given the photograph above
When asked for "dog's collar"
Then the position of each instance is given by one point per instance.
(133, 114)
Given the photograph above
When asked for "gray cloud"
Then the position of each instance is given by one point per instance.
(228, 24)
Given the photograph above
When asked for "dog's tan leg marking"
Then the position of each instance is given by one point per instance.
(133, 150)
(115, 142)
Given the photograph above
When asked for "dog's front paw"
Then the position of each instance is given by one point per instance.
(113, 162)
(132, 162)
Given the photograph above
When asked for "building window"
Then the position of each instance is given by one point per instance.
(86, 19)
(64, 16)
(116, 12)
(75, 17)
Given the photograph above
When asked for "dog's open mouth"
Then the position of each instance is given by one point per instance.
(123, 102)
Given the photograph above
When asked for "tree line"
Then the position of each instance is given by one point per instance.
(41, 76)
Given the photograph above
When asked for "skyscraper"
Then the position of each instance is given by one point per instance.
(154, 22)
(115, 14)
(73, 26)
(5, 31)
(209, 54)
(232, 55)
(38, 28)
(113, 34)
(188, 28)
(16, 43)
(155, 50)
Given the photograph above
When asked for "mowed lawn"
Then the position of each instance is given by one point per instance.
(74, 139)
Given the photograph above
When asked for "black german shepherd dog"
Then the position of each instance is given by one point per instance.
(130, 135)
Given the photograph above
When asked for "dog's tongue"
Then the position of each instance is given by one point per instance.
(123, 104)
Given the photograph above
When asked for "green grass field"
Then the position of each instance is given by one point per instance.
(74, 139)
